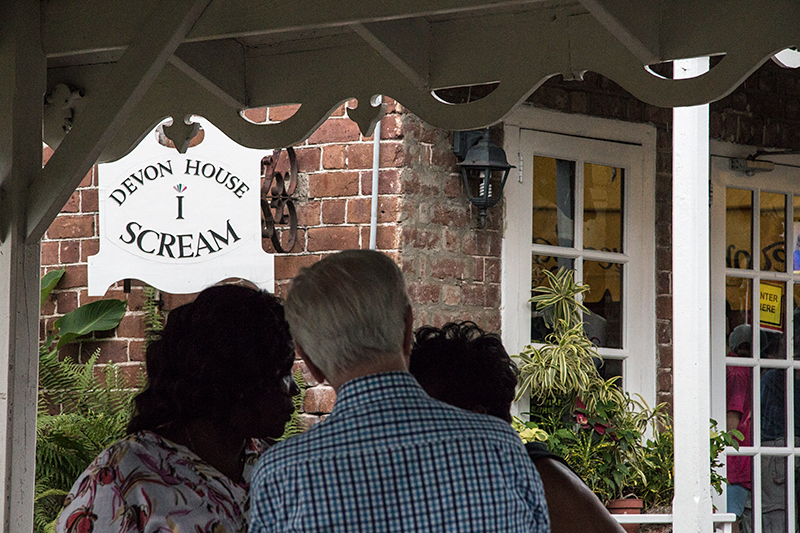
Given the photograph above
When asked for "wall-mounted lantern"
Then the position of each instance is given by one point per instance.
(484, 168)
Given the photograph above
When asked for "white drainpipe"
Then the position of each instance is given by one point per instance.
(376, 163)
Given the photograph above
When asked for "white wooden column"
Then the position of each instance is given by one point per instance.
(691, 309)
(22, 88)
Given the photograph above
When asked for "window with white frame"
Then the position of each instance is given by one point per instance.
(755, 304)
(583, 197)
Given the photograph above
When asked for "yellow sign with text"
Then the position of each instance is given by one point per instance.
(771, 305)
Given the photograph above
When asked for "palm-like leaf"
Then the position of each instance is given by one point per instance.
(101, 315)
(560, 297)
(49, 282)
(563, 368)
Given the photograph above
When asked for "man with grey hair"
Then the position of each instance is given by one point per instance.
(389, 457)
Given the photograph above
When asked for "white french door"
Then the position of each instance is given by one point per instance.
(755, 283)
(585, 203)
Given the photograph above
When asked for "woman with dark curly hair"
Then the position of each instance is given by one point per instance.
(462, 365)
(219, 384)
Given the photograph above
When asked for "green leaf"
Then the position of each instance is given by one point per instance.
(101, 315)
(49, 282)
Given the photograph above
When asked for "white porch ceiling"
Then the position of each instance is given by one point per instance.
(132, 64)
(241, 53)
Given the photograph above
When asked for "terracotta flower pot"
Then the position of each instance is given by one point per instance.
(626, 506)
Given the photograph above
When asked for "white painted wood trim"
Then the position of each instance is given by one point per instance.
(722, 521)
(691, 309)
(535, 118)
(512, 309)
(21, 88)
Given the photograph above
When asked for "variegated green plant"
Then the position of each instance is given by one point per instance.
(564, 367)
(586, 419)
(614, 441)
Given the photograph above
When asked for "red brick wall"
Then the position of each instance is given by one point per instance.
(425, 223)
(764, 111)
(451, 266)
(68, 242)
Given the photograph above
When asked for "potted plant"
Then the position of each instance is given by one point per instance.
(620, 446)
(586, 419)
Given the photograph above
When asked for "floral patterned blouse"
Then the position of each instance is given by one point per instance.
(145, 483)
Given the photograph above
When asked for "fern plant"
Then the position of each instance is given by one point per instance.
(81, 410)
(295, 425)
(153, 319)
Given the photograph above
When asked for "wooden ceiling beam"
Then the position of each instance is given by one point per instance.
(405, 44)
(636, 24)
(83, 28)
(107, 107)
(218, 66)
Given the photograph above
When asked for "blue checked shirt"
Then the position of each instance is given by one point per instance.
(390, 458)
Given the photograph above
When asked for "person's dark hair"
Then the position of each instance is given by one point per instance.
(462, 365)
(230, 342)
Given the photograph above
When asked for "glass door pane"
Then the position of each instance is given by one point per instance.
(604, 300)
(773, 494)
(602, 207)
(772, 319)
(738, 300)
(773, 407)
(553, 201)
(773, 232)
(739, 228)
(540, 263)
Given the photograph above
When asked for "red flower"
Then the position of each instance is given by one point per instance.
(600, 428)
(582, 420)
(81, 521)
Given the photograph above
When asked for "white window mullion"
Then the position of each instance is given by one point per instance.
(755, 495)
(579, 194)
(791, 509)
(756, 257)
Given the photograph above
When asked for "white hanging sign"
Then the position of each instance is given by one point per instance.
(181, 222)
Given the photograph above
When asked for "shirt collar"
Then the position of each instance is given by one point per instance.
(376, 388)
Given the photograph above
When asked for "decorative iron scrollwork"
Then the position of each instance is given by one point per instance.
(277, 201)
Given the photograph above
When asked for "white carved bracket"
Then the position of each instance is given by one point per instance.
(61, 105)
